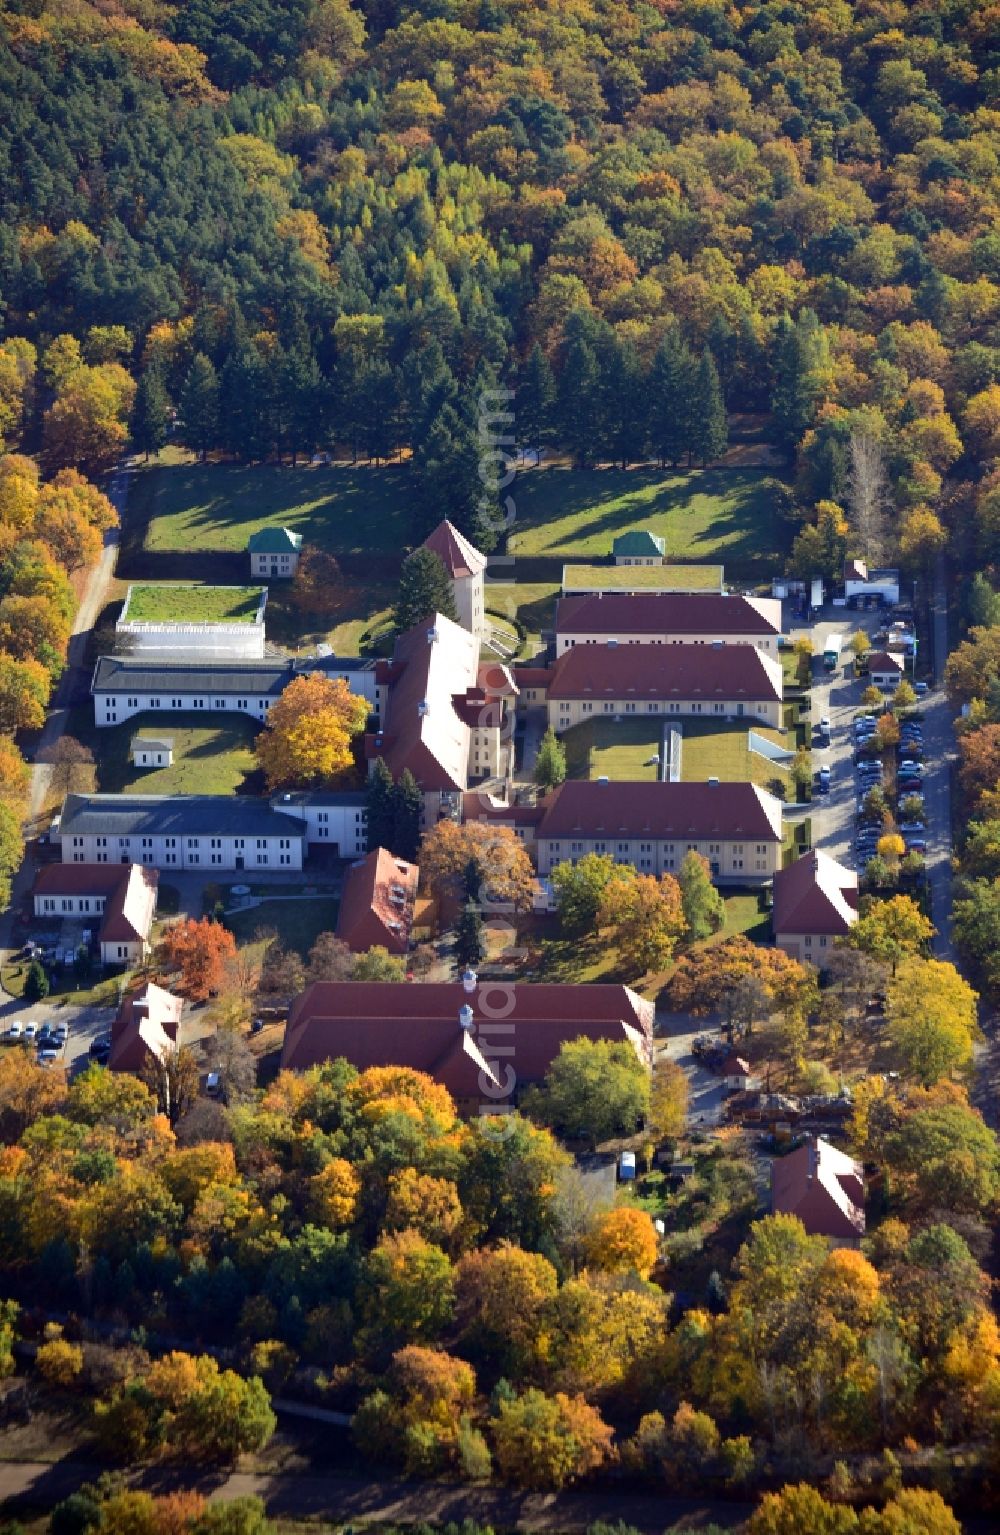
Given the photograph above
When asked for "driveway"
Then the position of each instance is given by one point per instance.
(675, 1036)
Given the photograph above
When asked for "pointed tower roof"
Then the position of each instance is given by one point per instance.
(459, 557)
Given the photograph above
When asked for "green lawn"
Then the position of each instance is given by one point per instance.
(633, 578)
(601, 748)
(725, 515)
(531, 603)
(718, 749)
(208, 759)
(347, 510)
(167, 602)
(297, 923)
(362, 614)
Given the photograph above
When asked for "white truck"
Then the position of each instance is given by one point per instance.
(831, 653)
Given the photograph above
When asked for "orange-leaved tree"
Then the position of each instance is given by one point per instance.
(200, 951)
(309, 733)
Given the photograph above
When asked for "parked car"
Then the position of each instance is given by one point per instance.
(61, 1033)
(911, 768)
(916, 828)
(920, 688)
(824, 726)
(824, 780)
(30, 1029)
(16, 1030)
(908, 785)
(100, 1045)
(47, 1056)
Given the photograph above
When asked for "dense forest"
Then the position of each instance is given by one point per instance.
(309, 223)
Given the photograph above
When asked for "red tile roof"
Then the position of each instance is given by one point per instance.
(815, 894)
(723, 673)
(667, 613)
(459, 557)
(432, 662)
(884, 661)
(823, 1187)
(478, 806)
(370, 910)
(661, 811)
(516, 1029)
(129, 891)
(146, 1024)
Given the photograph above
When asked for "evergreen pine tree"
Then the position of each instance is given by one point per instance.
(801, 351)
(472, 880)
(380, 806)
(407, 809)
(670, 388)
(424, 589)
(150, 419)
(301, 388)
(579, 408)
(244, 404)
(36, 982)
(550, 764)
(624, 413)
(534, 401)
(709, 427)
(199, 406)
(470, 939)
(446, 464)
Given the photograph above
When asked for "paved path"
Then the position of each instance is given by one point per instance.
(939, 755)
(307, 1495)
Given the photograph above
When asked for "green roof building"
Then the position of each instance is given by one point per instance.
(274, 552)
(638, 547)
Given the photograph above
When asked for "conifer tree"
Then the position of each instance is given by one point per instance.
(709, 428)
(150, 413)
(407, 809)
(199, 406)
(379, 796)
(534, 401)
(424, 589)
(470, 939)
(550, 764)
(670, 389)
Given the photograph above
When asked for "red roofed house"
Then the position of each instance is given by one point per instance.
(145, 1025)
(815, 903)
(824, 1188)
(445, 715)
(466, 566)
(716, 680)
(482, 1042)
(122, 895)
(735, 826)
(885, 669)
(376, 906)
(668, 618)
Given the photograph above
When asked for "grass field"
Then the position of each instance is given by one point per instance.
(714, 749)
(704, 515)
(532, 603)
(297, 923)
(634, 578)
(191, 506)
(601, 748)
(157, 603)
(208, 759)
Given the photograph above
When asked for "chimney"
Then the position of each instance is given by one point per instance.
(465, 1017)
(469, 981)
(423, 707)
(602, 779)
(432, 635)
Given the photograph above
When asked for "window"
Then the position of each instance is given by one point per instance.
(177, 703)
(284, 841)
(241, 703)
(194, 842)
(588, 708)
(147, 842)
(170, 842)
(262, 842)
(102, 842)
(133, 703)
(215, 858)
(194, 858)
(284, 857)
(630, 708)
(262, 858)
(215, 842)
(239, 842)
(123, 951)
(170, 858)
(220, 703)
(124, 841)
(324, 815)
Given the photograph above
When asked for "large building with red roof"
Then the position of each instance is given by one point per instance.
(466, 569)
(668, 618)
(483, 1042)
(824, 1188)
(119, 898)
(445, 715)
(736, 827)
(376, 904)
(716, 681)
(815, 903)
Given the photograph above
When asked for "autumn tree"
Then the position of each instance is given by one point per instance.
(27, 1092)
(317, 586)
(668, 1104)
(544, 1442)
(24, 694)
(309, 733)
(199, 950)
(71, 765)
(623, 1241)
(503, 868)
(407, 1291)
(889, 930)
(644, 918)
(931, 1018)
(579, 890)
(594, 1089)
(85, 426)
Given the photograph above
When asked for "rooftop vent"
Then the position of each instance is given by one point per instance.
(713, 782)
(469, 979)
(465, 1017)
(602, 779)
(423, 707)
(432, 635)
(612, 644)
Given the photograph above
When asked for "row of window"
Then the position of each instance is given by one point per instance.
(218, 859)
(239, 843)
(654, 706)
(625, 848)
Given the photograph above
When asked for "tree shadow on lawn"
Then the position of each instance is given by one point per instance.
(746, 510)
(327, 503)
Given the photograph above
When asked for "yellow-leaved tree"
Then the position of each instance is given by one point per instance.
(308, 737)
